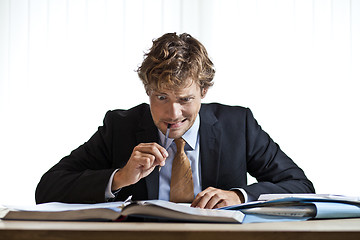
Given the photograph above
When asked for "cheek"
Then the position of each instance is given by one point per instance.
(155, 112)
(192, 111)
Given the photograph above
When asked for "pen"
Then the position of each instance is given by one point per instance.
(166, 138)
(167, 134)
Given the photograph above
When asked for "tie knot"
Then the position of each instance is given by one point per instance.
(180, 144)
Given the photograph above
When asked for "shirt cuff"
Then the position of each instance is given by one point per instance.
(108, 193)
(246, 197)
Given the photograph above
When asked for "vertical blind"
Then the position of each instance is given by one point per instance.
(64, 63)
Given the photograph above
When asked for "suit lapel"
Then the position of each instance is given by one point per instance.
(210, 139)
(148, 133)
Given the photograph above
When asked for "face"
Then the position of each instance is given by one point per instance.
(176, 107)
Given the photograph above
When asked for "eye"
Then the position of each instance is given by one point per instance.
(161, 97)
(186, 99)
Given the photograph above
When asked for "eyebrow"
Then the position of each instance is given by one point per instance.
(191, 95)
(159, 92)
(186, 96)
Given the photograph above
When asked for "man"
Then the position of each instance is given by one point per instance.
(128, 154)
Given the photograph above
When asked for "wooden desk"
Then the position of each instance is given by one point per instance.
(320, 229)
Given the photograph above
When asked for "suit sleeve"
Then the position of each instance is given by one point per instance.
(82, 176)
(273, 169)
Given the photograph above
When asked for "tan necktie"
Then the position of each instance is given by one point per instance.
(181, 186)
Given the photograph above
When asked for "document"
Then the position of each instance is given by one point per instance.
(267, 197)
(299, 207)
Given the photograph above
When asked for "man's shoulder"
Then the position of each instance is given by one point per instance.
(134, 111)
(134, 114)
(223, 114)
(218, 108)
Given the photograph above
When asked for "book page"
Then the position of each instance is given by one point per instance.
(59, 207)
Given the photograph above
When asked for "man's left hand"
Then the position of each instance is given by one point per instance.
(216, 198)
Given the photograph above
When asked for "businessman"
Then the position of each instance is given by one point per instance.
(175, 148)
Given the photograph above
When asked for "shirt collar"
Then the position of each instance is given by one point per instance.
(190, 136)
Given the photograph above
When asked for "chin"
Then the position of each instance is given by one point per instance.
(180, 133)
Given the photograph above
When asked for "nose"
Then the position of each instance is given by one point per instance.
(174, 110)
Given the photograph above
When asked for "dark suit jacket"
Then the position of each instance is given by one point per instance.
(231, 144)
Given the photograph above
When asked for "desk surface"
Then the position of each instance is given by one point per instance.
(317, 229)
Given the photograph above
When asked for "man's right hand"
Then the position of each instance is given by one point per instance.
(144, 158)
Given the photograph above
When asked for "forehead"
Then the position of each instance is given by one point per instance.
(189, 89)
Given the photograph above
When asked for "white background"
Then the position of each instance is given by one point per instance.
(64, 63)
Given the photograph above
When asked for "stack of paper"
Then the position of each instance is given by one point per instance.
(298, 207)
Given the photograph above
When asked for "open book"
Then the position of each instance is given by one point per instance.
(157, 209)
(164, 210)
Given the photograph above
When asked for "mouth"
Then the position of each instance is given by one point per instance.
(176, 124)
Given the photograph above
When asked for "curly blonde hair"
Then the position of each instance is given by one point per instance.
(175, 60)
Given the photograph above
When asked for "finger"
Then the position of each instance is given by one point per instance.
(227, 198)
(221, 204)
(163, 151)
(197, 199)
(146, 172)
(146, 161)
(164, 154)
(154, 149)
(214, 199)
(141, 159)
(151, 148)
(202, 198)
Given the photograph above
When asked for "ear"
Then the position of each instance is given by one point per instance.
(203, 92)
